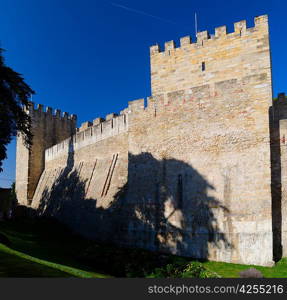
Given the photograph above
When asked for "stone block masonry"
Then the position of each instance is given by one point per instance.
(48, 129)
(223, 55)
(195, 172)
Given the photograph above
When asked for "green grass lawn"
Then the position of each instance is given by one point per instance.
(48, 249)
(14, 266)
(232, 270)
(48, 245)
(23, 259)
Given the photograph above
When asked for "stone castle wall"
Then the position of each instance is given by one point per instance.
(224, 55)
(188, 174)
(48, 129)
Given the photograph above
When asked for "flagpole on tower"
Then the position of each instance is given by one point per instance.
(195, 22)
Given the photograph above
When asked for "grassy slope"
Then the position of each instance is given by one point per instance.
(229, 270)
(49, 246)
(232, 270)
(14, 266)
(24, 259)
(52, 246)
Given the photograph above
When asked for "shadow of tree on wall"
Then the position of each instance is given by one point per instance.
(169, 207)
(164, 206)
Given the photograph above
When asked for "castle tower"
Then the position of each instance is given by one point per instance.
(214, 58)
(48, 129)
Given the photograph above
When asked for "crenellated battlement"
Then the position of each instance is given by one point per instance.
(49, 111)
(240, 29)
(100, 129)
(213, 57)
(88, 134)
(97, 121)
(134, 106)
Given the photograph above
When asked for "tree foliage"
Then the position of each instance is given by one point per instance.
(14, 96)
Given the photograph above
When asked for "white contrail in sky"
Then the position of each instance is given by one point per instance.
(141, 13)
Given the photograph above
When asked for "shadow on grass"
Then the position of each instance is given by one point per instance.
(13, 266)
(46, 239)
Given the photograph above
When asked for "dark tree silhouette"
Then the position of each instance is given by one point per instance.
(14, 95)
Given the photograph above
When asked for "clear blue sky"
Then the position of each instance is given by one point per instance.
(91, 57)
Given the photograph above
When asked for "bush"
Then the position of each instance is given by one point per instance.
(122, 262)
(135, 263)
(185, 270)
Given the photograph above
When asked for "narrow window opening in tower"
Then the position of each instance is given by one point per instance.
(169, 52)
(203, 66)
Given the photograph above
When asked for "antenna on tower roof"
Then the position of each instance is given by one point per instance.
(195, 22)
